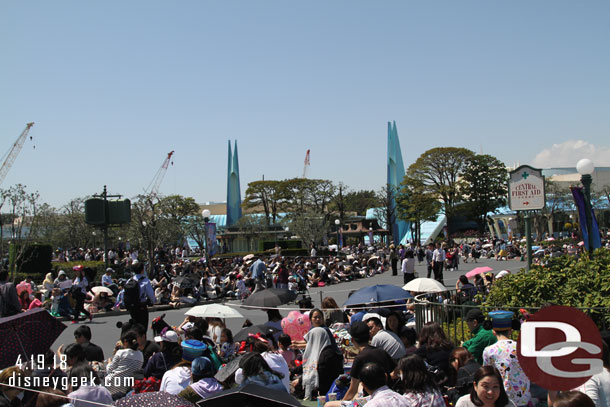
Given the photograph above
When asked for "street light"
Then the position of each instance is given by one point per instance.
(585, 168)
(206, 218)
(337, 224)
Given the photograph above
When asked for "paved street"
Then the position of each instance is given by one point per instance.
(105, 333)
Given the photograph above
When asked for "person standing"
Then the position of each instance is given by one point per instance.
(438, 262)
(429, 257)
(79, 293)
(258, 269)
(394, 260)
(408, 265)
(138, 295)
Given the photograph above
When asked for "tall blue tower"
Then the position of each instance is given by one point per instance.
(233, 190)
(396, 172)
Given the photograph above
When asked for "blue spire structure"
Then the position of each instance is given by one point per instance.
(233, 189)
(396, 172)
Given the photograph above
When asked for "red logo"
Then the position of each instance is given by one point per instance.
(559, 348)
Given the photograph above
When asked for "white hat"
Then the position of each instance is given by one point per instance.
(167, 336)
(502, 274)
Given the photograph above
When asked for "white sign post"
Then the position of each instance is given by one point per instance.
(526, 193)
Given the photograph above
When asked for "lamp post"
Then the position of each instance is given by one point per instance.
(206, 218)
(585, 168)
(93, 234)
(338, 225)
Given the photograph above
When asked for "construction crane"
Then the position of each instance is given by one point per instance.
(153, 187)
(306, 165)
(14, 152)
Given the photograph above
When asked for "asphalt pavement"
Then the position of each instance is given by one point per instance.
(105, 333)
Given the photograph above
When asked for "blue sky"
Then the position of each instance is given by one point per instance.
(114, 86)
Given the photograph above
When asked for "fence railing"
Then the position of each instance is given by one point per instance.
(442, 308)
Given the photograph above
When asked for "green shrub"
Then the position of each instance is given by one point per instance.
(583, 283)
(36, 260)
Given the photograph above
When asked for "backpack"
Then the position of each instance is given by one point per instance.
(131, 296)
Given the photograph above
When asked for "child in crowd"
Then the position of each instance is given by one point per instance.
(284, 344)
(227, 347)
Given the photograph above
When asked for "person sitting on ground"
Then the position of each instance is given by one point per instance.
(321, 363)
(256, 370)
(463, 368)
(387, 340)
(465, 290)
(170, 354)
(203, 382)
(332, 313)
(36, 301)
(374, 382)
(394, 322)
(418, 384)
(284, 344)
(147, 347)
(179, 377)
(487, 390)
(82, 336)
(408, 336)
(85, 392)
(435, 348)
(227, 345)
(359, 332)
(126, 361)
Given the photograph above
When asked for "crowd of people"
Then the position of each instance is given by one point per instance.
(348, 357)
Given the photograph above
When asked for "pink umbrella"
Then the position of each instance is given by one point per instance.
(478, 270)
(581, 243)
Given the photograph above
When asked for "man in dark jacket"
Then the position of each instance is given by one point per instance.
(82, 336)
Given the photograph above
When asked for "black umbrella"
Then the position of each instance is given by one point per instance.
(153, 399)
(250, 395)
(270, 298)
(187, 281)
(27, 334)
(228, 370)
(254, 329)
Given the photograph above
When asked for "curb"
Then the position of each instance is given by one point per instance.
(153, 308)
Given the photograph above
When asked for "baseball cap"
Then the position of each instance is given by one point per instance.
(167, 336)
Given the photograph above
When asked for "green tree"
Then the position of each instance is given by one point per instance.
(414, 204)
(484, 185)
(438, 170)
(267, 195)
(22, 209)
(360, 201)
(386, 212)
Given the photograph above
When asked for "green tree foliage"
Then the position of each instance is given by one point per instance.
(415, 204)
(438, 170)
(562, 281)
(360, 201)
(484, 183)
(267, 195)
